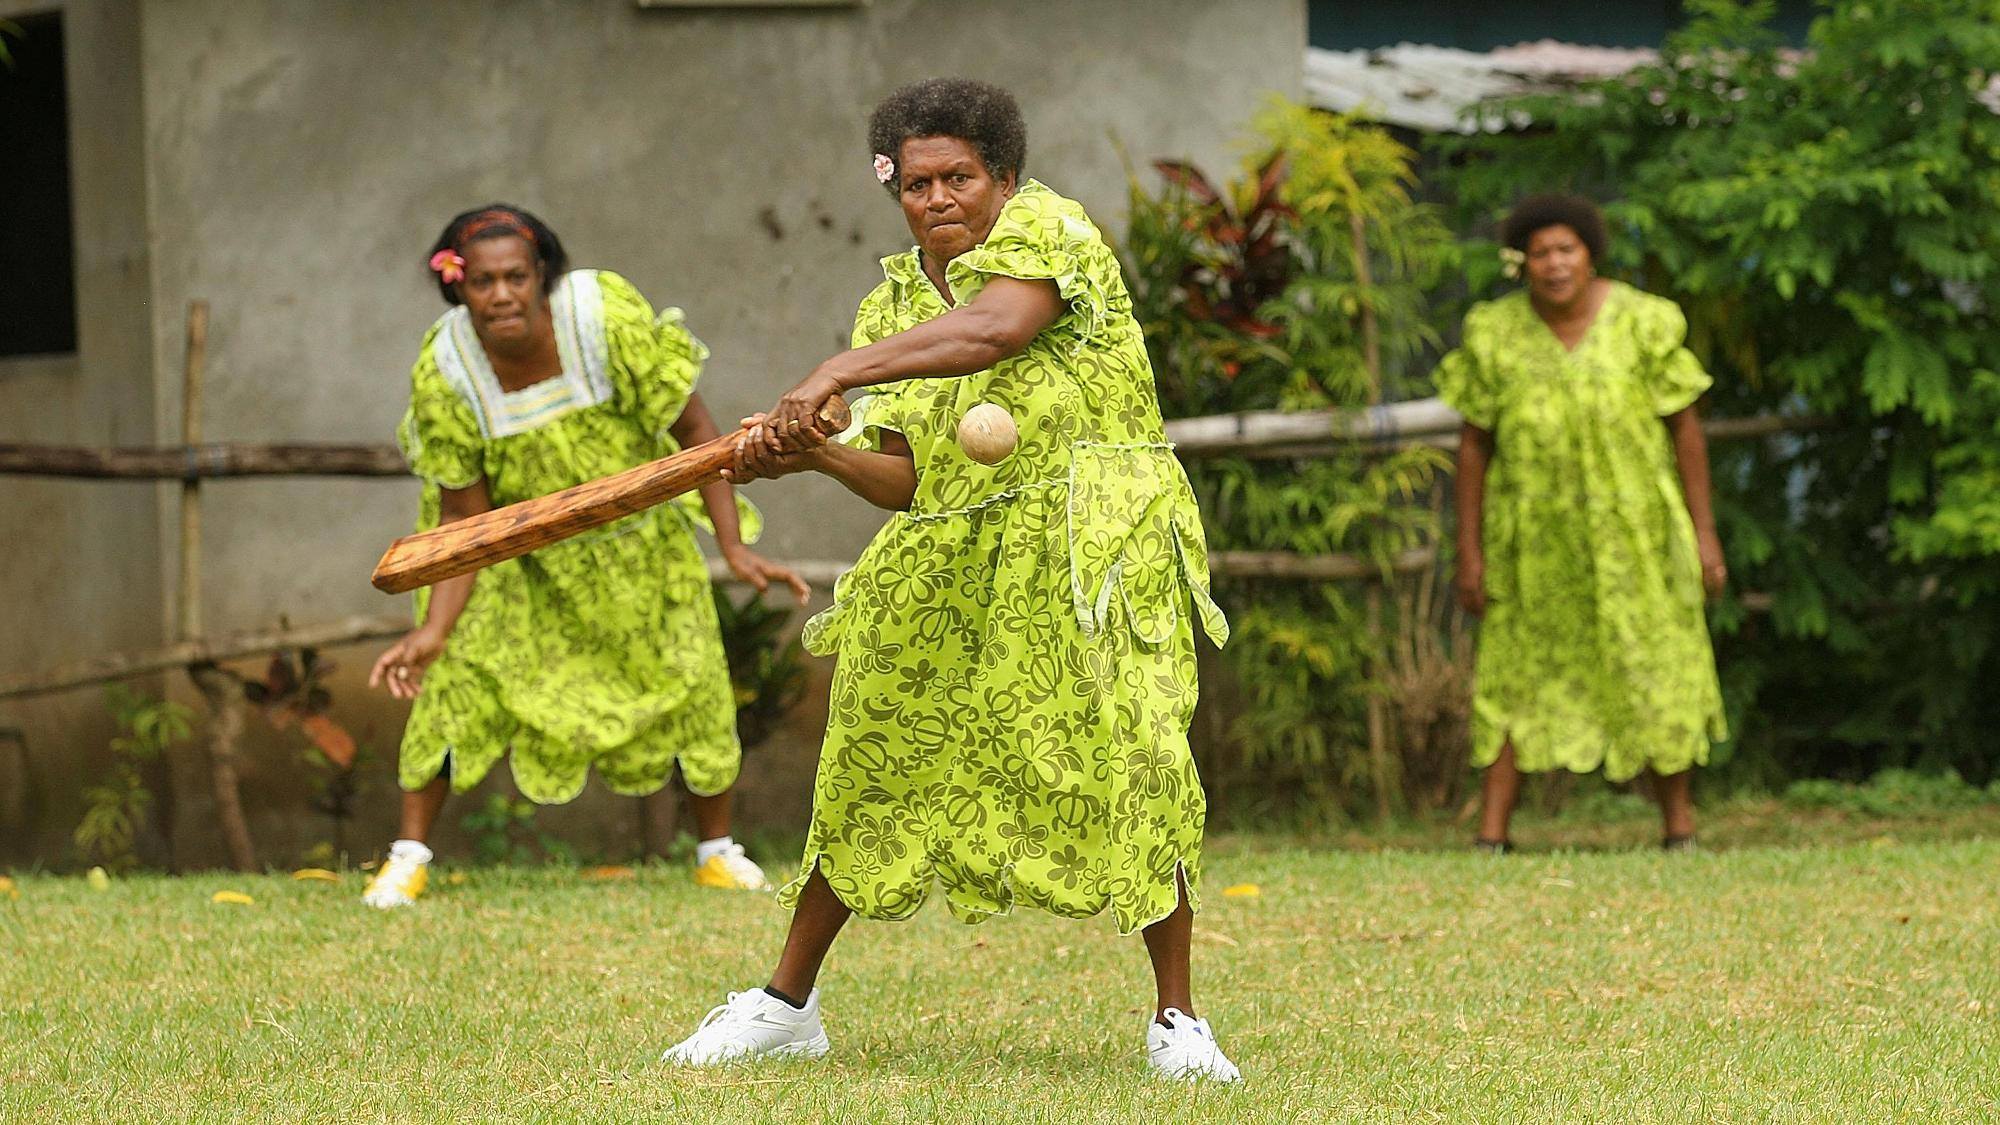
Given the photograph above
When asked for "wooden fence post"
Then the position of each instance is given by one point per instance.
(220, 688)
(224, 693)
(193, 373)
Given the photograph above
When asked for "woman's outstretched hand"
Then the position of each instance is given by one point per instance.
(401, 669)
(759, 572)
(1714, 571)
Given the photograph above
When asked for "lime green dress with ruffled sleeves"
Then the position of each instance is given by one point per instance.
(1015, 654)
(600, 651)
(1594, 652)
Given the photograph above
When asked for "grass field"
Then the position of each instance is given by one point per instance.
(1852, 982)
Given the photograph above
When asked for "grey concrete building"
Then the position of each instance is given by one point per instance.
(288, 161)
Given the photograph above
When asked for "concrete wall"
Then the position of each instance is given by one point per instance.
(80, 563)
(302, 156)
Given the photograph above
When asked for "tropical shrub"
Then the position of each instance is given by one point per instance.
(1298, 283)
(1826, 218)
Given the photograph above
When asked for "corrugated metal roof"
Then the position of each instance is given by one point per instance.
(1550, 59)
(1427, 88)
(1422, 87)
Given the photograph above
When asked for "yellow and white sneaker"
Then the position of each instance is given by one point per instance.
(402, 879)
(730, 870)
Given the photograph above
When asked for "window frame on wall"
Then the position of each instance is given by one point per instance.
(38, 254)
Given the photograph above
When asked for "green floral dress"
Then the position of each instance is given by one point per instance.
(1594, 652)
(1016, 668)
(600, 650)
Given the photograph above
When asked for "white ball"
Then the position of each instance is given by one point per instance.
(987, 434)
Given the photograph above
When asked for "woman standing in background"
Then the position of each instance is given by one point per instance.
(1585, 537)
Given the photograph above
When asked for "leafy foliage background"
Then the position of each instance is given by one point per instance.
(1826, 218)
(1273, 289)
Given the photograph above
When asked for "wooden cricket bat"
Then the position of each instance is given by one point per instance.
(466, 545)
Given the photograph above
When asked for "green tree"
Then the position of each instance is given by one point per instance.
(1826, 218)
(1299, 283)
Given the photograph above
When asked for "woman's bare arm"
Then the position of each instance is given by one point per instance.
(1691, 459)
(887, 479)
(695, 426)
(448, 598)
(1001, 322)
(402, 667)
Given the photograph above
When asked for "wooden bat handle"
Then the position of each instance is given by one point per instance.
(466, 545)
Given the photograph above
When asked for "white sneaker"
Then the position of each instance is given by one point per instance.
(1185, 1050)
(402, 878)
(753, 1025)
(730, 869)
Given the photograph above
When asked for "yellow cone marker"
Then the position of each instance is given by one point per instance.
(235, 898)
(98, 880)
(315, 875)
(1242, 890)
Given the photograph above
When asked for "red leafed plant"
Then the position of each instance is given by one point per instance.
(294, 693)
(1300, 280)
(1245, 260)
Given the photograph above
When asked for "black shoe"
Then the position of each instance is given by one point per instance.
(1679, 844)
(1493, 847)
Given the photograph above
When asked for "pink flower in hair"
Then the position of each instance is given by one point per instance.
(449, 266)
(885, 168)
